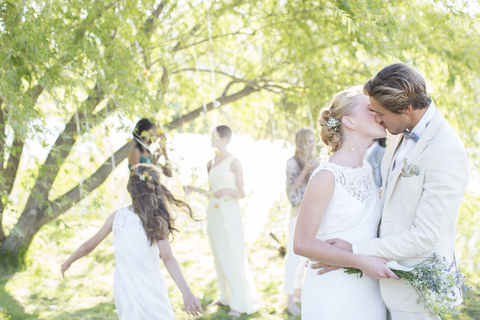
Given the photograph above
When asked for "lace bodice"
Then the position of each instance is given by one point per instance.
(355, 209)
(126, 219)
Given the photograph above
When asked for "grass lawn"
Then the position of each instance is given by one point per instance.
(39, 292)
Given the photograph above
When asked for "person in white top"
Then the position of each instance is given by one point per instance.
(420, 204)
(141, 233)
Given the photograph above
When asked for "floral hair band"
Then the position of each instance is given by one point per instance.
(145, 176)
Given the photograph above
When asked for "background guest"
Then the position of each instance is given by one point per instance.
(374, 156)
(225, 228)
(144, 134)
(299, 169)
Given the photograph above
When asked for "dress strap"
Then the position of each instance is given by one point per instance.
(325, 166)
(228, 161)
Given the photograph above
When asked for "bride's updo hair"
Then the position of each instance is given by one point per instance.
(341, 105)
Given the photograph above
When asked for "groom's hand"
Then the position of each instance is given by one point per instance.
(340, 243)
(375, 268)
(326, 268)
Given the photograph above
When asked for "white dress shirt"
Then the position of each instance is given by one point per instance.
(408, 144)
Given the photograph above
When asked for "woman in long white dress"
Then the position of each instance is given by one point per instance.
(341, 201)
(225, 229)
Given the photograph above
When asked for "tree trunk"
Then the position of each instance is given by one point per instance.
(2, 143)
(14, 248)
(8, 171)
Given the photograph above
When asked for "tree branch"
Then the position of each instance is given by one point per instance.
(98, 13)
(178, 48)
(223, 101)
(218, 72)
(150, 23)
(267, 84)
(59, 152)
(67, 200)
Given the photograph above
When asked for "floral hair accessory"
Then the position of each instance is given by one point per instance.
(333, 123)
(145, 176)
(216, 135)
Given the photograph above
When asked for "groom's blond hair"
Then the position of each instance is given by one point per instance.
(396, 87)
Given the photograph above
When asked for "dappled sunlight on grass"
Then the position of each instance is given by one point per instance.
(39, 292)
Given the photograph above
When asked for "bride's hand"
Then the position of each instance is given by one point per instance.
(375, 268)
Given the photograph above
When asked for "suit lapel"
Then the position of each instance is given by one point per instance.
(416, 151)
(428, 135)
(387, 163)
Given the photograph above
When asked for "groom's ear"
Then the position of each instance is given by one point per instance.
(407, 110)
(347, 122)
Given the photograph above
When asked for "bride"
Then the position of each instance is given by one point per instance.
(341, 201)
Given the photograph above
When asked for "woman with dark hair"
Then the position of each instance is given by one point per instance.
(144, 134)
(225, 228)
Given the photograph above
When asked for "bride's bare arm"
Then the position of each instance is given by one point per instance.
(315, 202)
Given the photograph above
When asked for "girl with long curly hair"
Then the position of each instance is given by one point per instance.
(141, 232)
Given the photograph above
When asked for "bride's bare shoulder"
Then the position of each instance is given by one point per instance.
(322, 178)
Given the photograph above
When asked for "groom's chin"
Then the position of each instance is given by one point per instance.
(393, 132)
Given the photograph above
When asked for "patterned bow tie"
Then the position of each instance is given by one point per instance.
(410, 135)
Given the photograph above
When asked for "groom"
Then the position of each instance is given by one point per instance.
(425, 175)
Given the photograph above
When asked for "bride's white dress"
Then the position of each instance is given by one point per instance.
(139, 288)
(353, 215)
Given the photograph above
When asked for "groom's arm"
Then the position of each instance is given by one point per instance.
(446, 180)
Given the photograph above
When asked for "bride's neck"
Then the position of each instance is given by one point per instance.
(351, 153)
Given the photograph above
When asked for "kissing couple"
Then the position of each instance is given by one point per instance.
(343, 222)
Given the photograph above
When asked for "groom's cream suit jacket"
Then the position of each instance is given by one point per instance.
(419, 212)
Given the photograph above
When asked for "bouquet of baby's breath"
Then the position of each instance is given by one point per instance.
(434, 280)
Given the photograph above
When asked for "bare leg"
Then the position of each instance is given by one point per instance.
(292, 306)
(297, 295)
(235, 314)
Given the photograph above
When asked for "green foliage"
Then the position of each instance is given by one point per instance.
(71, 72)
